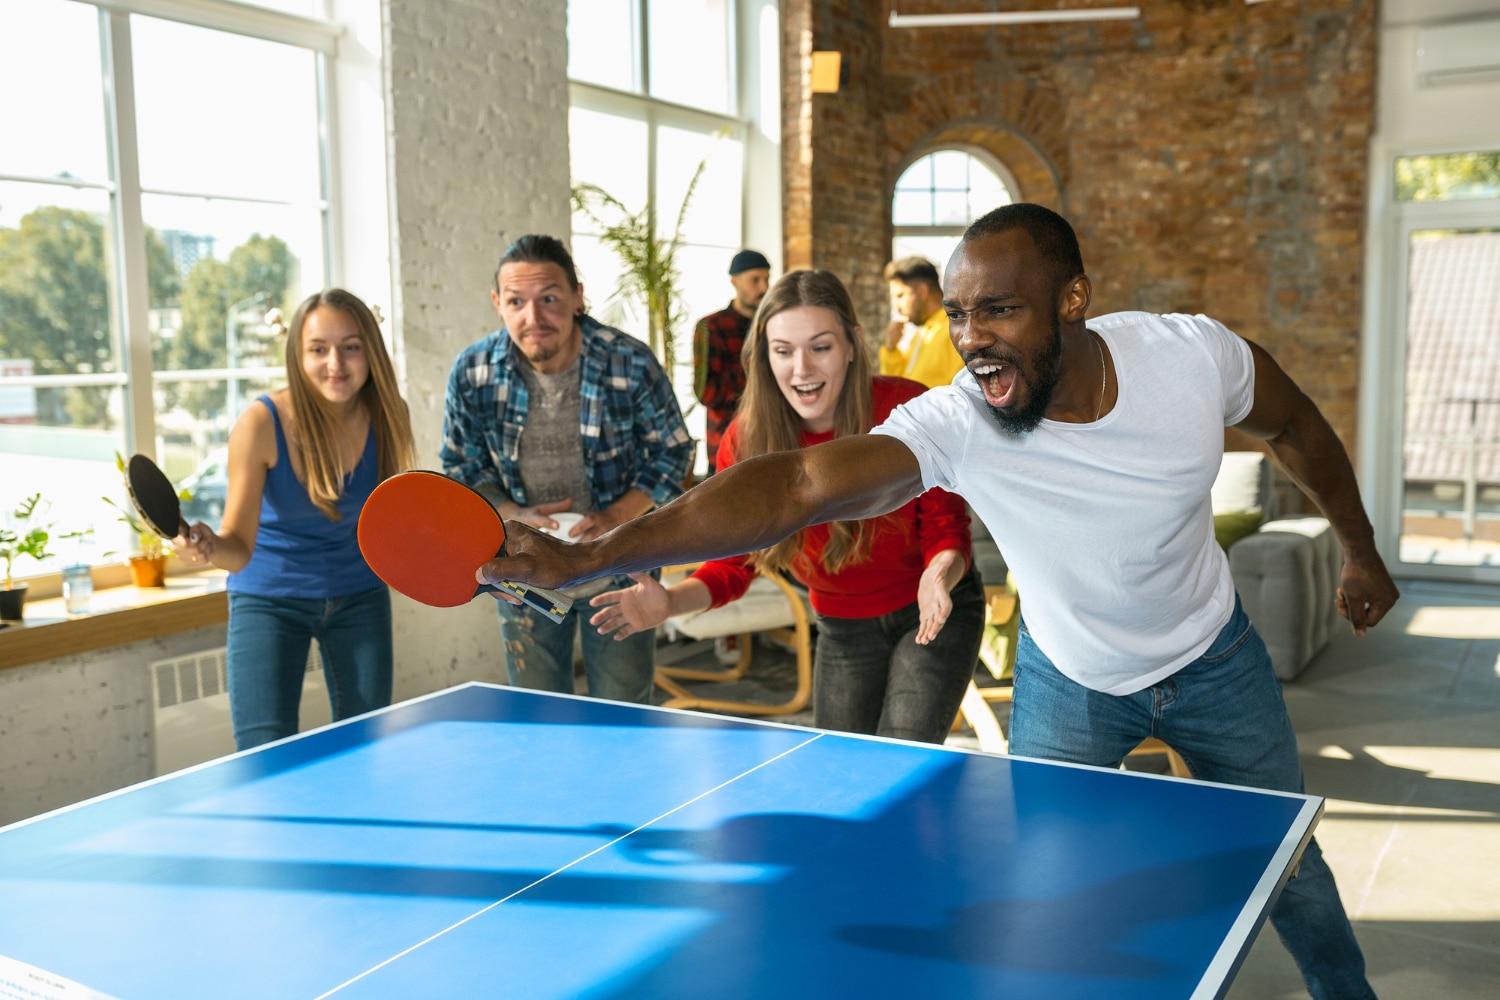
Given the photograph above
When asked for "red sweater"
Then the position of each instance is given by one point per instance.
(903, 541)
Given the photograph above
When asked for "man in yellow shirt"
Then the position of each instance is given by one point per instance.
(917, 295)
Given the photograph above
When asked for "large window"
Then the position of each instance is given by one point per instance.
(1450, 479)
(646, 116)
(1438, 481)
(161, 191)
(680, 51)
(936, 198)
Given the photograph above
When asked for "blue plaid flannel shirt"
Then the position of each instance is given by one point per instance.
(633, 433)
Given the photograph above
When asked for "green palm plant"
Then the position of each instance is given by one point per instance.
(649, 276)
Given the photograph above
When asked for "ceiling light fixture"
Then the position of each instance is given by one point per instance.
(1013, 17)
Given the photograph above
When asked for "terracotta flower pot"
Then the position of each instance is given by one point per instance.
(12, 601)
(148, 571)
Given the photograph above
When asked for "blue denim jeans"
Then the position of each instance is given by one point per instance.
(1224, 714)
(871, 676)
(539, 653)
(267, 657)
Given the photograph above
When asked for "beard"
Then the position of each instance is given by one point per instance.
(1046, 368)
(542, 352)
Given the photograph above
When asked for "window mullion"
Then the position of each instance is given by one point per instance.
(732, 59)
(643, 45)
(133, 342)
(333, 257)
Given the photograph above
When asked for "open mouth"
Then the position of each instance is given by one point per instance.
(998, 382)
(808, 390)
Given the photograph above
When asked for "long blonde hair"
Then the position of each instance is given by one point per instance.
(315, 423)
(767, 422)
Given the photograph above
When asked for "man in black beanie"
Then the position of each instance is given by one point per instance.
(718, 377)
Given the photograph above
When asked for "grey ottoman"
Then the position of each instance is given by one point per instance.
(1287, 574)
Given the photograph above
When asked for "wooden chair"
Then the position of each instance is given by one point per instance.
(1002, 623)
(998, 654)
(771, 607)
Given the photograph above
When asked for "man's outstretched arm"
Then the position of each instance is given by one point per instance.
(749, 506)
(1314, 457)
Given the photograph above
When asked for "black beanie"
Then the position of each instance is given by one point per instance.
(748, 260)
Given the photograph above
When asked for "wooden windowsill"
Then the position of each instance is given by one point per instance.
(118, 615)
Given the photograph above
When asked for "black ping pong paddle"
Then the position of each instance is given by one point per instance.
(153, 497)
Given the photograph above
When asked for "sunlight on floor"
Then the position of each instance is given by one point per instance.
(1439, 622)
(1481, 764)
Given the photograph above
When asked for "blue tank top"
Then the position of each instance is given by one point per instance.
(299, 552)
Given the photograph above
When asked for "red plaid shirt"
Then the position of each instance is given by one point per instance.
(718, 376)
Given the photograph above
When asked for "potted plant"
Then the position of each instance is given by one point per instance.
(24, 535)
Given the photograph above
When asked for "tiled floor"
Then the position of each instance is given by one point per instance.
(1400, 731)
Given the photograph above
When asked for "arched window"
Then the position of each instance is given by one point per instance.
(939, 195)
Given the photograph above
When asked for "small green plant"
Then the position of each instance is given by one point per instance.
(25, 535)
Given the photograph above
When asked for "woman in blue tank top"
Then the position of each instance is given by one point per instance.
(302, 460)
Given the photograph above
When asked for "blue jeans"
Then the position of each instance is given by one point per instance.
(267, 658)
(871, 676)
(539, 653)
(1224, 714)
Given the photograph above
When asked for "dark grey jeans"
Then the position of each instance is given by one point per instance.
(871, 676)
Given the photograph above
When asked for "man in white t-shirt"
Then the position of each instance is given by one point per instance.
(1092, 445)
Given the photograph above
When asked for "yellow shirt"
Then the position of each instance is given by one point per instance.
(931, 359)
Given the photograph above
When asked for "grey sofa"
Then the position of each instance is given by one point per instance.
(1286, 571)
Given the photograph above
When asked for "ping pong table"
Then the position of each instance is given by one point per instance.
(491, 842)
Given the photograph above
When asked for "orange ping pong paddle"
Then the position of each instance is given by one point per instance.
(425, 534)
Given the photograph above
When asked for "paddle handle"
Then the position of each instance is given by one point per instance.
(549, 602)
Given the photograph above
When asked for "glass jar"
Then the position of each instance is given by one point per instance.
(77, 588)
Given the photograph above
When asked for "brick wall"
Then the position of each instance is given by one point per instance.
(477, 121)
(1212, 155)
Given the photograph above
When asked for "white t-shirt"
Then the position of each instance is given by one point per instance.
(1107, 526)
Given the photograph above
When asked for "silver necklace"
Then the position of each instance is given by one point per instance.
(1104, 372)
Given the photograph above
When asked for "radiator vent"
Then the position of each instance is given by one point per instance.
(191, 699)
(189, 678)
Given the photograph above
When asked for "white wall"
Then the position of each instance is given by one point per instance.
(760, 74)
(1413, 118)
(82, 725)
(477, 154)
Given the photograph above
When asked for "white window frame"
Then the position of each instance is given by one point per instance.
(129, 320)
(1382, 393)
(655, 112)
(984, 156)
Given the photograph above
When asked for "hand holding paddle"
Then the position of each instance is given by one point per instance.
(426, 535)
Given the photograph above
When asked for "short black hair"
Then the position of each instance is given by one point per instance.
(910, 270)
(535, 248)
(1051, 233)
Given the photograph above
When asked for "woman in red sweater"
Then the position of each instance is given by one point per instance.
(900, 608)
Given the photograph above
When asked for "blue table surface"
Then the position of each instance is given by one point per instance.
(492, 842)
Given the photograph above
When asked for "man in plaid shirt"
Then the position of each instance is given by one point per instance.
(553, 416)
(718, 377)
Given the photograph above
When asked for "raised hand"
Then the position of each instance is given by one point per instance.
(635, 609)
